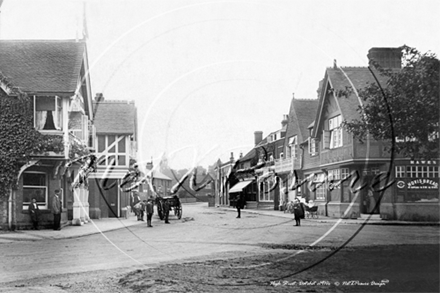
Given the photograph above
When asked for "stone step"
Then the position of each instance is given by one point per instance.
(372, 217)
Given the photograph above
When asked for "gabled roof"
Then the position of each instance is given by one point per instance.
(115, 117)
(159, 175)
(249, 156)
(42, 66)
(302, 113)
(340, 78)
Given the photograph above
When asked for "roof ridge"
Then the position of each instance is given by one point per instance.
(43, 40)
(115, 102)
(304, 99)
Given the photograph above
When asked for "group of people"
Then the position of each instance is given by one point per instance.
(143, 207)
(56, 208)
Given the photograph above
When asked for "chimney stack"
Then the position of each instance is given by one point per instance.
(149, 165)
(99, 97)
(285, 120)
(258, 136)
(386, 57)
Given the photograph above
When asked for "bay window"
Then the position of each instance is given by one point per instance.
(35, 186)
(114, 148)
(48, 113)
(334, 126)
(293, 143)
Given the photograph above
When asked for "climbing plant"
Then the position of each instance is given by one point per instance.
(19, 140)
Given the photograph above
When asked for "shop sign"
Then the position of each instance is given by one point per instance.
(401, 184)
(422, 184)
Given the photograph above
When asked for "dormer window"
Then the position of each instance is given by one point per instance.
(313, 146)
(335, 131)
(48, 113)
(293, 145)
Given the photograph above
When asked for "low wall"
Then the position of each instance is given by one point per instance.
(417, 212)
(188, 200)
(338, 209)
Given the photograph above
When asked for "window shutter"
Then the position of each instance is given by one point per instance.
(325, 139)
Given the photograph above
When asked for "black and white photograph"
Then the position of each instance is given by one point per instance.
(219, 146)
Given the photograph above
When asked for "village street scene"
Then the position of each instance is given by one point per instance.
(198, 146)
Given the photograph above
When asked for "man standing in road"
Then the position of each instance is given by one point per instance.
(166, 209)
(56, 210)
(149, 209)
(239, 204)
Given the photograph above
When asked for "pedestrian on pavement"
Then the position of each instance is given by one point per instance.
(166, 210)
(239, 204)
(34, 211)
(149, 209)
(56, 210)
(139, 208)
(298, 211)
(136, 200)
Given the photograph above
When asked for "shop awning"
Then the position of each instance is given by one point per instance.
(240, 186)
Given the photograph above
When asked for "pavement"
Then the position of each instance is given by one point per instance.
(96, 226)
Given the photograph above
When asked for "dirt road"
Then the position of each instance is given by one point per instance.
(212, 251)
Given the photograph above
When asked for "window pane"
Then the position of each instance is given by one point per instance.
(121, 146)
(34, 179)
(111, 160)
(45, 104)
(101, 143)
(110, 140)
(121, 160)
(38, 193)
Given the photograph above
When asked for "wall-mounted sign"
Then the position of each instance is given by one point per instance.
(401, 184)
(422, 184)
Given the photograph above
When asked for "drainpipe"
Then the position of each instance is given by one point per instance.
(11, 195)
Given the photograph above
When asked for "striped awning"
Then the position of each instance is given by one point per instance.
(240, 186)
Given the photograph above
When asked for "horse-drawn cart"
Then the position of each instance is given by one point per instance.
(173, 204)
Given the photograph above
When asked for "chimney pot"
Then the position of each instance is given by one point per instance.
(99, 97)
(258, 136)
(386, 57)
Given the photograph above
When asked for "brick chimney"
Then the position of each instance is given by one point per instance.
(386, 57)
(284, 121)
(258, 135)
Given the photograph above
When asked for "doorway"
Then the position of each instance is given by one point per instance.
(112, 198)
(369, 198)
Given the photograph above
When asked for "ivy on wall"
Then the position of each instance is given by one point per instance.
(19, 140)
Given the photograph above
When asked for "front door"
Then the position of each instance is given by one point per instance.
(112, 199)
(369, 198)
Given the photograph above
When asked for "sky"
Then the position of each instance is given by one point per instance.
(205, 75)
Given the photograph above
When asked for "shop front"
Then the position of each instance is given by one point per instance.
(416, 192)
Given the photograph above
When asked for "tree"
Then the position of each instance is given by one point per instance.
(405, 110)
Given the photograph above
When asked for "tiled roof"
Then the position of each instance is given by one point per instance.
(302, 113)
(41, 65)
(249, 156)
(115, 117)
(305, 111)
(357, 77)
(159, 175)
